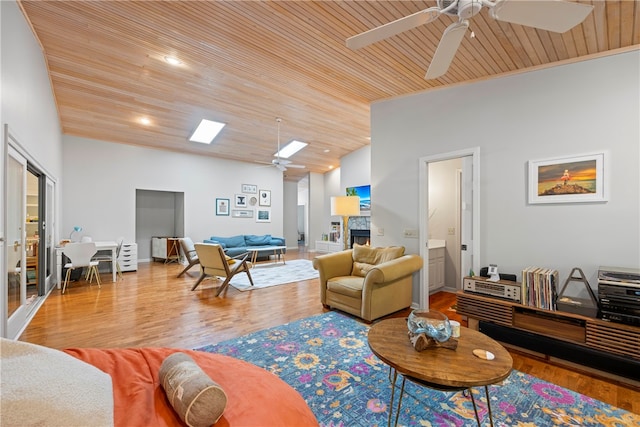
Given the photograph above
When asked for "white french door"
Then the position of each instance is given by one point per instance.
(16, 212)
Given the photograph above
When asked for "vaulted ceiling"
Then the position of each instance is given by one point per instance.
(245, 63)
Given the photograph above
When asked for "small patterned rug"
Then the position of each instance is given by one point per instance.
(273, 274)
(327, 360)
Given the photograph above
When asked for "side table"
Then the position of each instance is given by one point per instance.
(439, 368)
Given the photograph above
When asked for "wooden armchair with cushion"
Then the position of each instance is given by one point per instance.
(367, 282)
(189, 251)
(214, 262)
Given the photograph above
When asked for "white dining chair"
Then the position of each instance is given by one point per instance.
(106, 257)
(79, 255)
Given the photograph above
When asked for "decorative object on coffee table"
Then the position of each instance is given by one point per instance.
(430, 329)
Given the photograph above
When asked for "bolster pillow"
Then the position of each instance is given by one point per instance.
(197, 399)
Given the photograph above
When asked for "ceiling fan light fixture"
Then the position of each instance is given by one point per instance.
(206, 131)
(290, 149)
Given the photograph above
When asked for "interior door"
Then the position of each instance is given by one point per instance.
(466, 219)
(15, 214)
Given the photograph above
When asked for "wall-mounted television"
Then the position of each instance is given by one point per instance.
(364, 192)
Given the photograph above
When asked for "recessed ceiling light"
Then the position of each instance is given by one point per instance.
(172, 60)
(145, 121)
(207, 130)
(290, 149)
(330, 166)
(327, 150)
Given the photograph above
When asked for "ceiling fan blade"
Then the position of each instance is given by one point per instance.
(551, 15)
(446, 49)
(296, 166)
(392, 28)
(281, 168)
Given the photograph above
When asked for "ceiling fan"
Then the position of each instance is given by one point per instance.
(551, 15)
(282, 164)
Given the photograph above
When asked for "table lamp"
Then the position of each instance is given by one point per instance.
(76, 229)
(345, 206)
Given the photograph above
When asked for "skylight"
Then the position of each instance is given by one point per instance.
(291, 148)
(207, 130)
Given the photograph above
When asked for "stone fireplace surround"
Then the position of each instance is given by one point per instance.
(359, 229)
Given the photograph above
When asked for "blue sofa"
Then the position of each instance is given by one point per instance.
(237, 245)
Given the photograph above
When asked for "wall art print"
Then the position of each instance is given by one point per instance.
(577, 179)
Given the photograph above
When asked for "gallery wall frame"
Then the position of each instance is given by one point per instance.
(264, 198)
(249, 188)
(571, 179)
(222, 207)
(242, 213)
(241, 201)
(263, 215)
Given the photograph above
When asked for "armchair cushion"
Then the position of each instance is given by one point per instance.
(365, 257)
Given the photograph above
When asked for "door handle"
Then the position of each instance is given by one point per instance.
(16, 245)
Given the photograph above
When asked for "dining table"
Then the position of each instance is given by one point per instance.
(107, 245)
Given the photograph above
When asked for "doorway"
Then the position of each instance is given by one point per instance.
(465, 212)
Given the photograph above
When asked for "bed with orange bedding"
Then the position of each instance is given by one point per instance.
(255, 397)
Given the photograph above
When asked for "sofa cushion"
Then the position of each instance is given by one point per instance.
(366, 257)
(229, 242)
(276, 241)
(346, 285)
(253, 240)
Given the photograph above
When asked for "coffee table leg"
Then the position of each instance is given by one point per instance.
(475, 409)
(394, 373)
(486, 390)
(400, 400)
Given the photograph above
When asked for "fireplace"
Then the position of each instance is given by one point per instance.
(360, 237)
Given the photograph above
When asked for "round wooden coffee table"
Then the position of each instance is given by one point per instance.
(439, 368)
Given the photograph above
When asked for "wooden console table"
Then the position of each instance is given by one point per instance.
(590, 342)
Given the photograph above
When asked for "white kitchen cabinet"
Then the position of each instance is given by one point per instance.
(436, 268)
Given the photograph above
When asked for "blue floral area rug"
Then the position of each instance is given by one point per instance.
(327, 360)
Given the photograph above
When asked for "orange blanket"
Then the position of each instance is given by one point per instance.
(255, 397)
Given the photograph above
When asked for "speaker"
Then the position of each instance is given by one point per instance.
(484, 272)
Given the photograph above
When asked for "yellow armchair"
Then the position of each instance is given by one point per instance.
(367, 282)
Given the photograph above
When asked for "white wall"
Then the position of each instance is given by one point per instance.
(290, 213)
(27, 106)
(316, 208)
(584, 107)
(27, 98)
(101, 179)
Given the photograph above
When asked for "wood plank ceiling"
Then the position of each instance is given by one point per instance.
(247, 62)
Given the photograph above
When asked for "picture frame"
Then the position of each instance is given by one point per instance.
(249, 188)
(575, 179)
(263, 215)
(242, 213)
(264, 198)
(222, 207)
(241, 201)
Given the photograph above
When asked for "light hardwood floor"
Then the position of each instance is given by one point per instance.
(152, 307)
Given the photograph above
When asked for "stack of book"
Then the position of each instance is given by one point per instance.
(539, 287)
